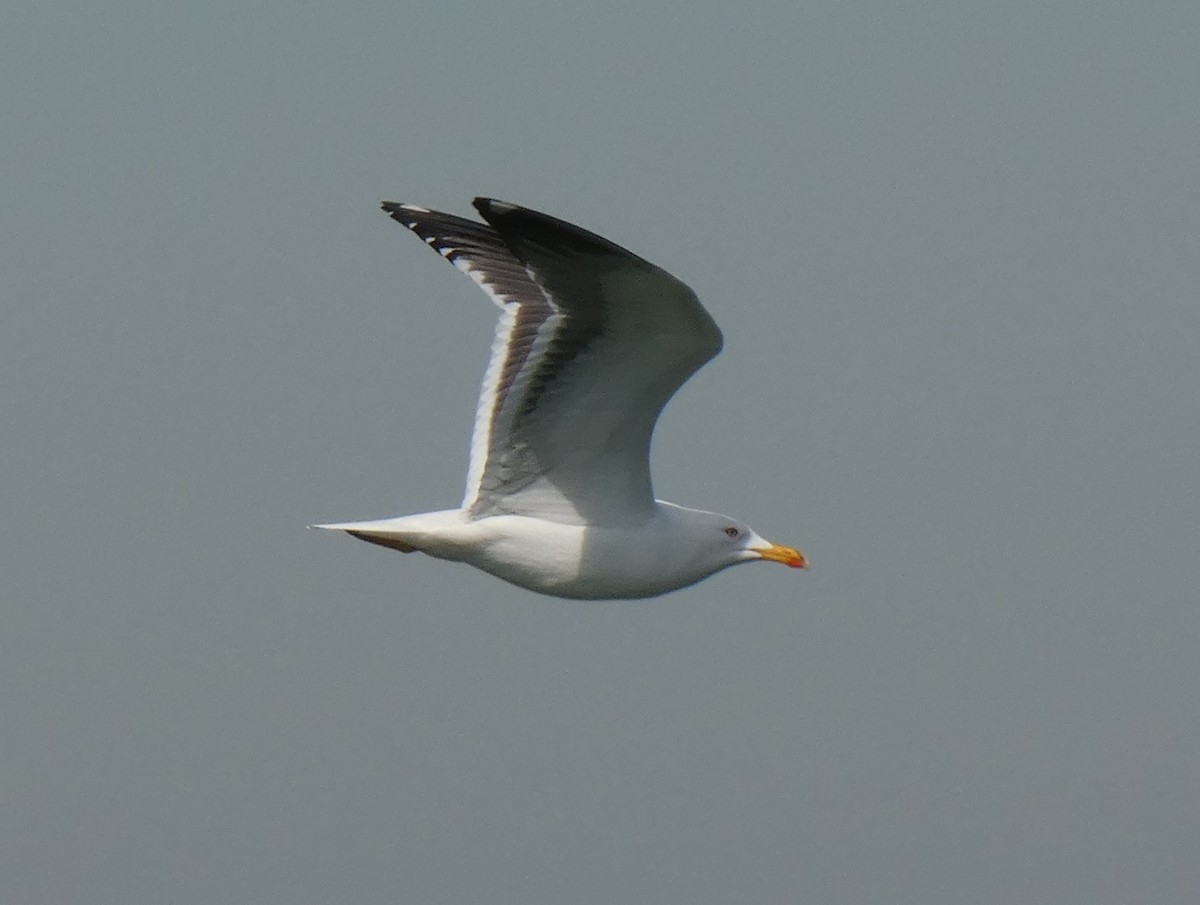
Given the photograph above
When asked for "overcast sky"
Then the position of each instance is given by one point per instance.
(954, 251)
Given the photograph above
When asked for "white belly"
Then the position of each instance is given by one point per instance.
(580, 562)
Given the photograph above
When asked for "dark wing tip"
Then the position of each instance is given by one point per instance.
(520, 226)
(491, 207)
(402, 213)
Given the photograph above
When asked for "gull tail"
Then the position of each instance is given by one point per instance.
(385, 532)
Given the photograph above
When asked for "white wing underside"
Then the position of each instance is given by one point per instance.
(591, 343)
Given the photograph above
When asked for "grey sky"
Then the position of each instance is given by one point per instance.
(953, 249)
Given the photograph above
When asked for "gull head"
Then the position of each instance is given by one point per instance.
(722, 541)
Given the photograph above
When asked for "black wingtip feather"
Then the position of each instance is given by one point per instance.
(521, 225)
(401, 213)
(491, 207)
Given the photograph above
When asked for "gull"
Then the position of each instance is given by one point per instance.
(591, 343)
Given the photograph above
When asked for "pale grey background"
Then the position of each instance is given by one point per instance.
(954, 249)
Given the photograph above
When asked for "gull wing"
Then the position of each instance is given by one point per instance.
(591, 343)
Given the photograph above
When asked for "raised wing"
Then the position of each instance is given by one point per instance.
(592, 342)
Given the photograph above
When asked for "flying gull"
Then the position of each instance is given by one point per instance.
(592, 341)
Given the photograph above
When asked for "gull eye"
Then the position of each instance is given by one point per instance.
(731, 531)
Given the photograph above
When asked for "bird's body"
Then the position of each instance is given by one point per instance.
(591, 343)
(670, 549)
